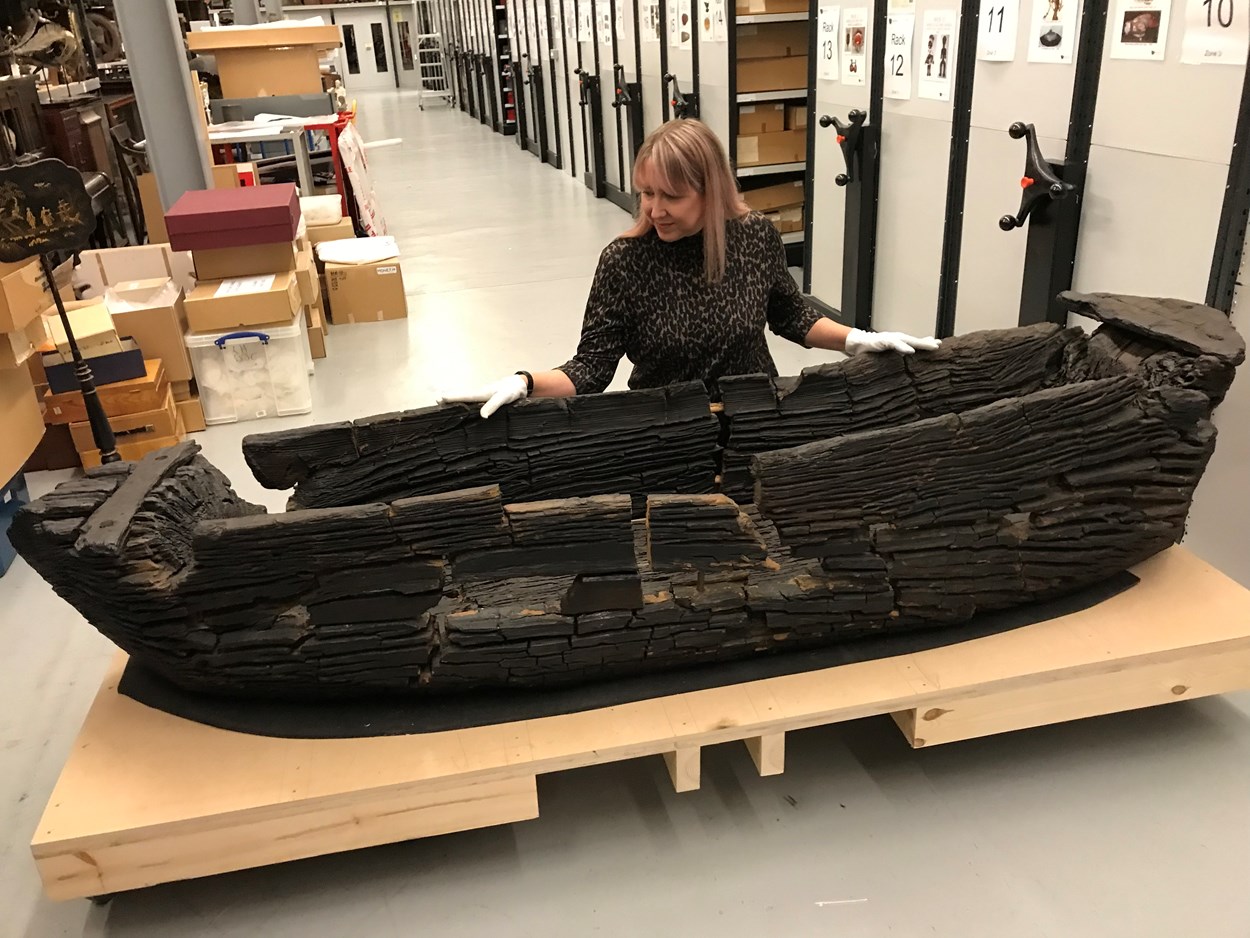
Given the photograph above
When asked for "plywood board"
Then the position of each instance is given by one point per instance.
(146, 797)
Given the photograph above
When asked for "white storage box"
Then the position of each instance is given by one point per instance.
(262, 372)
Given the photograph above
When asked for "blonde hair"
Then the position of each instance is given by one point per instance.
(685, 155)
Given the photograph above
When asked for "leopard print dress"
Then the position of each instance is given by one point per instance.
(650, 301)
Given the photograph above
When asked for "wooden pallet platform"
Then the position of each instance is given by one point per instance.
(148, 798)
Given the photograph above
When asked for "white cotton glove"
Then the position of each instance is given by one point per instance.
(860, 341)
(509, 390)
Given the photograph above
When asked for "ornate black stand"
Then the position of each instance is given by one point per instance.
(57, 216)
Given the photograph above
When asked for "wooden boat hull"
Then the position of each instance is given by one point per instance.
(566, 541)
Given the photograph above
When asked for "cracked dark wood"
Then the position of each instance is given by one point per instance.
(431, 551)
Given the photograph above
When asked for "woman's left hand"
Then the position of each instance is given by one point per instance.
(860, 341)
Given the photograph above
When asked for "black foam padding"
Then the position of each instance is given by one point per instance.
(397, 716)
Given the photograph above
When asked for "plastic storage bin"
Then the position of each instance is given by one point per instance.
(262, 372)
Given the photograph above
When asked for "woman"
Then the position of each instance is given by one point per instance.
(687, 291)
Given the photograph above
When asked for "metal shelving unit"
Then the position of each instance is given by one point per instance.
(770, 174)
(772, 169)
(771, 18)
(752, 97)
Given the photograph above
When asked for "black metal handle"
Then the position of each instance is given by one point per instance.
(587, 86)
(684, 105)
(850, 134)
(1040, 184)
(622, 95)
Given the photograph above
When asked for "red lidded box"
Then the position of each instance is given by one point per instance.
(233, 218)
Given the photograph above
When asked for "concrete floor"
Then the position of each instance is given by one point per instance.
(1128, 826)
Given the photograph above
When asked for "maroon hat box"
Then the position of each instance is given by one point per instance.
(204, 219)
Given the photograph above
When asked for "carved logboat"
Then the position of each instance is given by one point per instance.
(569, 541)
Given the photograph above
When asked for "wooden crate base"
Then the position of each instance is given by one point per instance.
(148, 798)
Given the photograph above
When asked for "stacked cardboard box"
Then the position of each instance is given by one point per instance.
(781, 204)
(242, 244)
(21, 425)
(24, 295)
(310, 292)
(260, 61)
(141, 411)
(772, 57)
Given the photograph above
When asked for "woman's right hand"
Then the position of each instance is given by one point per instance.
(508, 390)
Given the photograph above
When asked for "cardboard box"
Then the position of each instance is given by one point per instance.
(316, 331)
(17, 348)
(191, 411)
(751, 7)
(772, 198)
(254, 63)
(787, 219)
(230, 218)
(184, 390)
(258, 73)
(366, 292)
(21, 425)
(225, 176)
(789, 146)
(336, 232)
(770, 40)
(110, 266)
(796, 117)
(772, 74)
(125, 397)
(153, 209)
(223, 305)
(152, 313)
(761, 119)
(162, 421)
(262, 37)
(222, 263)
(93, 328)
(309, 281)
(23, 294)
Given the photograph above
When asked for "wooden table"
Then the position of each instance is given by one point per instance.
(148, 798)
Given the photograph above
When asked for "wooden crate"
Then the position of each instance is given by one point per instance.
(124, 397)
(130, 428)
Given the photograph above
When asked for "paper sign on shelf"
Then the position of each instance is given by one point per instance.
(619, 7)
(1052, 31)
(1217, 32)
(937, 49)
(827, 45)
(236, 286)
(605, 25)
(685, 28)
(648, 28)
(899, 29)
(1139, 29)
(706, 29)
(855, 46)
(585, 30)
(720, 28)
(997, 29)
